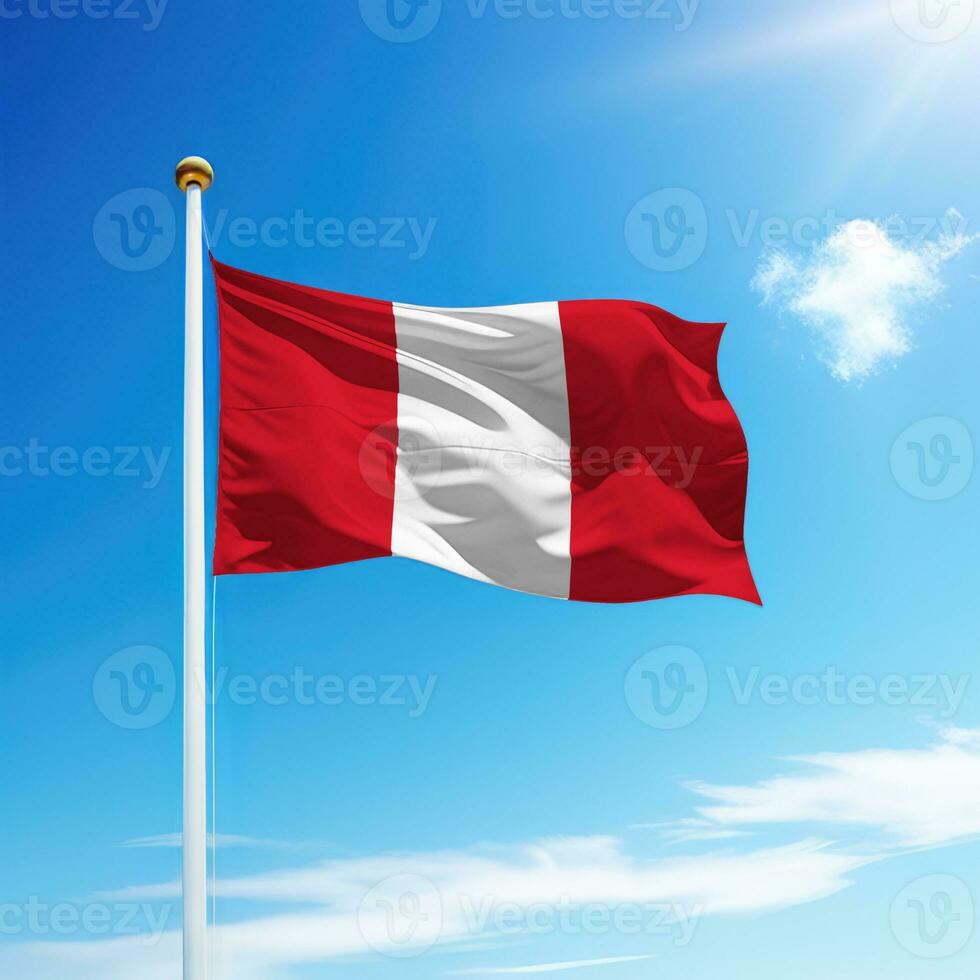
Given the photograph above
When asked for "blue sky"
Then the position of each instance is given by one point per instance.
(487, 765)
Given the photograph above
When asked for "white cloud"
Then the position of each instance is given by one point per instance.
(546, 967)
(961, 736)
(584, 871)
(222, 840)
(915, 797)
(689, 829)
(112, 959)
(897, 798)
(473, 885)
(856, 289)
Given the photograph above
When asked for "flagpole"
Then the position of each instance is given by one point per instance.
(194, 175)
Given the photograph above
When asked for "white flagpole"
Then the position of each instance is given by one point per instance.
(194, 176)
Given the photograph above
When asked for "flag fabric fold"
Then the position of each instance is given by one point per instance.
(580, 450)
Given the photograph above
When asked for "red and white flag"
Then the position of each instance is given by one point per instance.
(583, 450)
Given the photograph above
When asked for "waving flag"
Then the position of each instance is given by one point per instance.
(582, 450)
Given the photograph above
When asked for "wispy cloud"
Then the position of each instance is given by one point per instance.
(689, 830)
(474, 891)
(548, 873)
(893, 799)
(546, 967)
(857, 288)
(914, 797)
(221, 840)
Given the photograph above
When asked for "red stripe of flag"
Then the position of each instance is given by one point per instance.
(309, 378)
(659, 464)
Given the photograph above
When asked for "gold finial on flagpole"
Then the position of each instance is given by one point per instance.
(194, 170)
